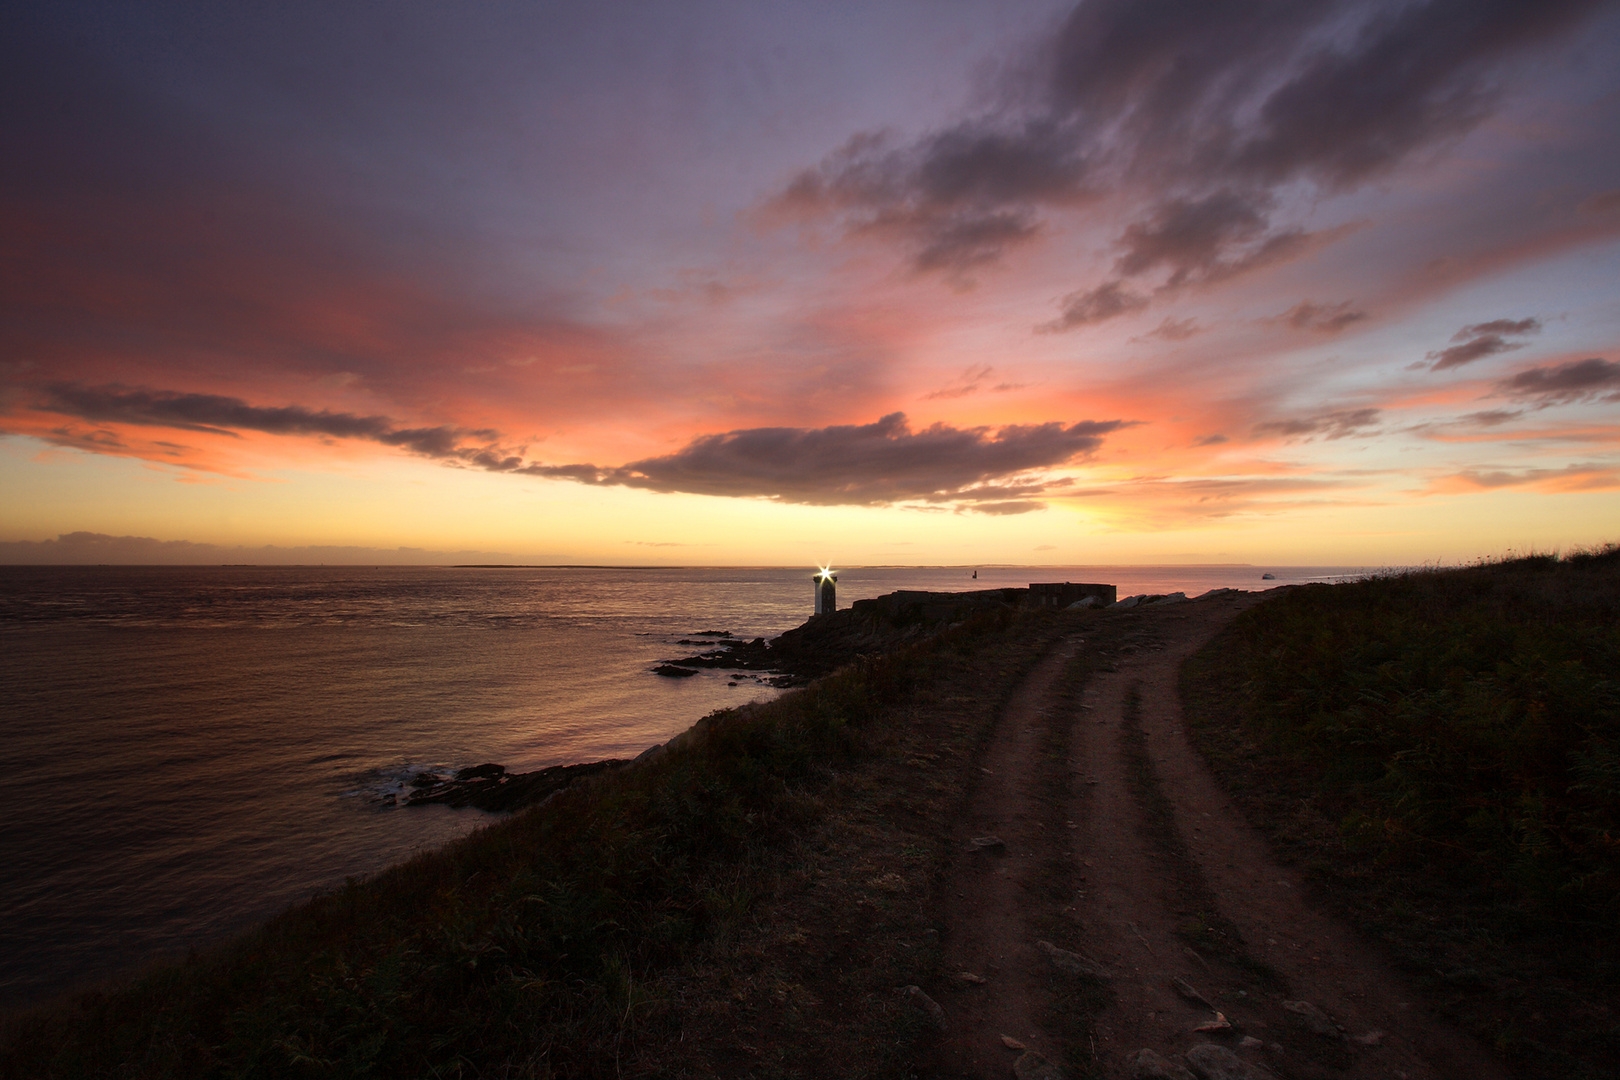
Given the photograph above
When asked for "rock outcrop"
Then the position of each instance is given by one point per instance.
(490, 787)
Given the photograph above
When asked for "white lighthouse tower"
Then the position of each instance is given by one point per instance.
(826, 583)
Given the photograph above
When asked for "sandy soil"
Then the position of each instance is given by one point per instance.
(1120, 847)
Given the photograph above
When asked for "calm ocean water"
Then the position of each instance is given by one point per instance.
(192, 749)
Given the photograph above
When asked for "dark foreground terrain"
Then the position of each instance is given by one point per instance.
(1439, 754)
(995, 847)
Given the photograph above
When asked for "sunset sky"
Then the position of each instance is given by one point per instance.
(759, 282)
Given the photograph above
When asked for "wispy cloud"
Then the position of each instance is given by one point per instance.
(1106, 301)
(1169, 500)
(1583, 476)
(78, 548)
(1564, 384)
(1321, 318)
(1481, 340)
(218, 415)
(1339, 424)
(972, 381)
(1170, 329)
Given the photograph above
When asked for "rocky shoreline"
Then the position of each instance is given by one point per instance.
(830, 640)
(820, 646)
(490, 787)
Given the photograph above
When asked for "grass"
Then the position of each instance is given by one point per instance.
(744, 902)
(1440, 751)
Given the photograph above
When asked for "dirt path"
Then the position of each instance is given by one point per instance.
(1120, 847)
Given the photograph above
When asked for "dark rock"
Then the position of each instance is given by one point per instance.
(673, 672)
(1147, 1065)
(926, 1005)
(1072, 963)
(499, 791)
(1211, 1062)
(990, 845)
(1032, 1066)
(1313, 1019)
(1185, 989)
(829, 641)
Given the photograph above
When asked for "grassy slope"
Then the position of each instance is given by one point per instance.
(746, 902)
(1441, 751)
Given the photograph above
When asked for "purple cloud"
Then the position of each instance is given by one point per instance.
(1340, 424)
(1200, 111)
(860, 465)
(218, 415)
(1321, 318)
(1481, 340)
(1564, 384)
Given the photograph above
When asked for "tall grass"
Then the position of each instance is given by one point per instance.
(1466, 718)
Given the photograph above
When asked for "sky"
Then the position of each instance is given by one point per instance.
(780, 283)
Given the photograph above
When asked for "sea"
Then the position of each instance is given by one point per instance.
(188, 750)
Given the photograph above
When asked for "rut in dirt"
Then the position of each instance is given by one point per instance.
(1101, 833)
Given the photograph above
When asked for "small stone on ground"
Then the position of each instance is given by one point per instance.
(1211, 1062)
(1072, 963)
(926, 1005)
(1314, 1019)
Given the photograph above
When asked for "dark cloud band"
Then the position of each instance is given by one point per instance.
(218, 415)
(1484, 339)
(875, 464)
(1565, 384)
(881, 463)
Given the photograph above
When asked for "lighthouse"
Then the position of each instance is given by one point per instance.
(826, 583)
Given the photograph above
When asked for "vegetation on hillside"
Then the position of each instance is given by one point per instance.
(1442, 749)
(593, 935)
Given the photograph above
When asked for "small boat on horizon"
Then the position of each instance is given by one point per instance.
(1268, 576)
